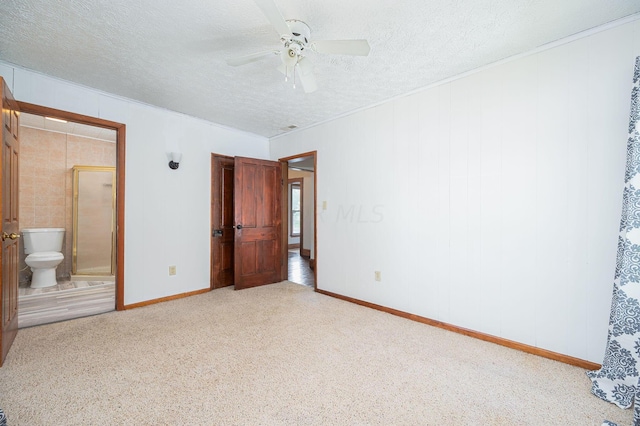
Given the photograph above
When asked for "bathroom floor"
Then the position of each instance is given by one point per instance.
(25, 290)
(66, 300)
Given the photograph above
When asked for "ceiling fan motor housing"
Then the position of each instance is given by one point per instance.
(295, 43)
(300, 32)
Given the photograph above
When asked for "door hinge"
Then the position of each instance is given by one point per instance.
(281, 182)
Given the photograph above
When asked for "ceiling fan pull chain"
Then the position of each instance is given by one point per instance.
(286, 73)
(294, 76)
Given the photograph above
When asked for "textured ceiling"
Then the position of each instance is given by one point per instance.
(172, 54)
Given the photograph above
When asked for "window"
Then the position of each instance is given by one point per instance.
(295, 212)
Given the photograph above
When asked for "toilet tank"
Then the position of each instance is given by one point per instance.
(42, 239)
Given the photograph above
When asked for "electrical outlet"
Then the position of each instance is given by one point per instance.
(378, 275)
(324, 205)
(172, 270)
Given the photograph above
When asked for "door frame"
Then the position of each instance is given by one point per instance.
(120, 129)
(284, 162)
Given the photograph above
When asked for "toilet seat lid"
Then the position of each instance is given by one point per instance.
(49, 255)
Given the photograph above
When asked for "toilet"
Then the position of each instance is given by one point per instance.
(43, 247)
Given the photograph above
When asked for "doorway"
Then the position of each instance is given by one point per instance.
(246, 222)
(301, 205)
(74, 140)
(224, 253)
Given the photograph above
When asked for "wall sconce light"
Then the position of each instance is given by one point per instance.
(175, 157)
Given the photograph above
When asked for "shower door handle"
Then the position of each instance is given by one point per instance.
(11, 236)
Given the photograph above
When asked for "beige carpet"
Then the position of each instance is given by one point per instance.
(281, 355)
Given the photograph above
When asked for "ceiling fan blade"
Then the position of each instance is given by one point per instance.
(241, 60)
(342, 47)
(306, 76)
(305, 66)
(274, 16)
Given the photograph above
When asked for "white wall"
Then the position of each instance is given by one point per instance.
(491, 201)
(167, 212)
(308, 209)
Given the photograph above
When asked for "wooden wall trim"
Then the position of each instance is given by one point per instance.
(212, 171)
(304, 154)
(120, 187)
(587, 365)
(166, 299)
(284, 197)
(315, 221)
(120, 129)
(66, 115)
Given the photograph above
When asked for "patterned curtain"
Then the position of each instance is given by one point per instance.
(618, 379)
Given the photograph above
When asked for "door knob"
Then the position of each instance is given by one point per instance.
(11, 236)
(238, 226)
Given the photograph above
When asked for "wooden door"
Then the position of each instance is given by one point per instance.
(222, 221)
(9, 214)
(258, 222)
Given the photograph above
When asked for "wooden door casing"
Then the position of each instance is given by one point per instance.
(222, 246)
(121, 149)
(10, 225)
(258, 220)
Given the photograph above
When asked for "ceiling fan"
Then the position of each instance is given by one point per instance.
(295, 37)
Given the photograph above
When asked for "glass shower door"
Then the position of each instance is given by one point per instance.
(93, 220)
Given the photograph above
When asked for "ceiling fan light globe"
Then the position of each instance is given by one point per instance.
(289, 58)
